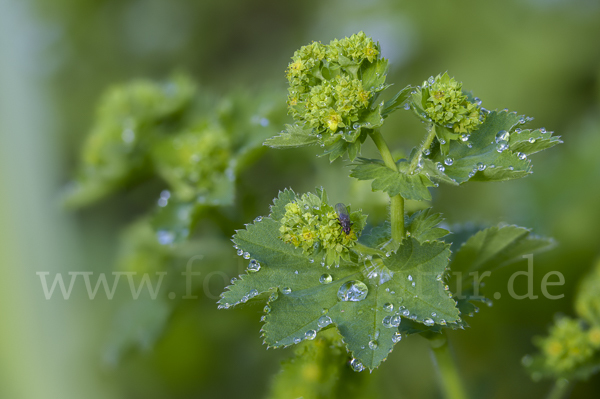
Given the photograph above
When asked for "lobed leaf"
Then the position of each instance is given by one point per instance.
(410, 186)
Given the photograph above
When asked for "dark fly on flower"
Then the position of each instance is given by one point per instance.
(343, 217)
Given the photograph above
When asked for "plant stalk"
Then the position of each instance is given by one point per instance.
(450, 381)
(560, 390)
(396, 202)
(424, 145)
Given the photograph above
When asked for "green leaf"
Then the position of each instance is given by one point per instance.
(397, 101)
(299, 304)
(374, 74)
(531, 141)
(294, 136)
(496, 247)
(422, 225)
(482, 161)
(412, 187)
(137, 325)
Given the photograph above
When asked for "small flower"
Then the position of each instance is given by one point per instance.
(568, 345)
(444, 102)
(313, 225)
(325, 90)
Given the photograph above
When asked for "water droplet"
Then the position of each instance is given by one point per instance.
(405, 312)
(325, 278)
(388, 307)
(543, 130)
(502, 135)
(448, 161)
(442, 141)
(413, 317)
(373, 344)
(396, 337)
(162, 202)
(502, 146)
(356, 126)
(426, 151)
(522, 120)
(428, 322)
(246, 255)
(522, 156)
(353, 291)
(286, 290)
(440, 167)
(297, 340)
(386, 321)
(267, 309)
(357, 365)
(319, 136)
(316, 208)
(311, 260)
(310, 334)
(470, 145)
(531, 140)
(128, 135)
(481, 166)
(165, 237)
(240, 252)
(464, 137)
(258, 219)
(443, 322)
(433, 314)
(410, 278)
(395, 320)
(253, 266)
(324, 321)
(407, 106)
(306, 207)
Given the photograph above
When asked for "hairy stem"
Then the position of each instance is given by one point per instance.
(424, 145)
(560, 390)
(450, 381)
(396, 202)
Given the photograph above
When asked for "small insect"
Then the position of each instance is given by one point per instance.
(343, 217)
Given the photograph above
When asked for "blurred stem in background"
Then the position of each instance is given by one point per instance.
(37, 358)
(560, 389)
(450, 381)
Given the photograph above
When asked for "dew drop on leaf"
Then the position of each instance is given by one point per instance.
(428, 322)
(253, 266)
(502, 135)
(246, 255)
(388, 307)
(325, 278)
(396, 337)
(310, 334)
(373, 344)
(357, 365)
(448, 161)
(324, 321)
(286, 290)
(353, 291)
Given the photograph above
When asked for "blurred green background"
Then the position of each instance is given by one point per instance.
(537, 57)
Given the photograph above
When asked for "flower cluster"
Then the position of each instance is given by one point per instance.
(446, 104)
(313, 225)
(193, 161)
(569, 345)
(326, 91)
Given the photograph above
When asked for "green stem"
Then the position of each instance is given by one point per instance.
(424, 145)
(396, 202)
(449, 379)
(560, 390)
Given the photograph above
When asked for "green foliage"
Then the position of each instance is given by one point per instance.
(487, 154)
(365, 297)
(411, 186)
(174, 132)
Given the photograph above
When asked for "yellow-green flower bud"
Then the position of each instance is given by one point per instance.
(192, 162)
(444, 103)
(314, 226)
(568, 345)
(326, 91)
